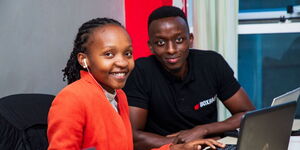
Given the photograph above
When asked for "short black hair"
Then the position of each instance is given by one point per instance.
(72, 69)
(166, 11)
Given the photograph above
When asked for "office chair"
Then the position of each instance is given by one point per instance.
(23, 121)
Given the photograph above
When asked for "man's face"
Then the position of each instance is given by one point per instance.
(169, 40)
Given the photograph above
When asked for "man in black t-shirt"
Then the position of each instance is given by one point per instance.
(172, 94)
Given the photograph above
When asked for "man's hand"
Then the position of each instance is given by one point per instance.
(188, 135)
(198, 145)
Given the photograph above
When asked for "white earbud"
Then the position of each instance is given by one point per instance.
(85, 64)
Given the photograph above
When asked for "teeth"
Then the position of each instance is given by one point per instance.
(119, 74)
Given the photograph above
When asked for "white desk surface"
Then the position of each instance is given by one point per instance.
(294, 140)
(296, 124)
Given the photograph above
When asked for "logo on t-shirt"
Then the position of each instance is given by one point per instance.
(205, 103)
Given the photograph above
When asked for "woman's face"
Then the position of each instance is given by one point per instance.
(109, 56)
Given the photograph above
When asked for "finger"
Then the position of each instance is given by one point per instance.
(172, 135)
(219, 144)
(175, 141)
(197, 142)
(179, 140)
(196, 147)
(199, 147)
(214, 144)
(210, 144)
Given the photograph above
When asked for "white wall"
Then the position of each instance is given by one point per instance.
(36, 38)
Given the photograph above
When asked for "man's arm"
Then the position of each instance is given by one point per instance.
(238, 105)
(145, 140)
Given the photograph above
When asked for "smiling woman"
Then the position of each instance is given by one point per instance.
(92, 110)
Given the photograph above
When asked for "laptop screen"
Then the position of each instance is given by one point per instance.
(287, 97)
(268, 128)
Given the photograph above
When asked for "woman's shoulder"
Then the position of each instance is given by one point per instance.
(73, 92)
(73, 88)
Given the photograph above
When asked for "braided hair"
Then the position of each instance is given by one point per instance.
(72, 69)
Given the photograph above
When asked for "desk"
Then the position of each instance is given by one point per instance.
(296, 124)
(294, 140)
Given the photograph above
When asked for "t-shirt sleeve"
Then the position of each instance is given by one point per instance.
(136, 89)
(65, 123)
(227, 83)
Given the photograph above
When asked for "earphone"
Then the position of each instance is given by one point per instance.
(85, 64)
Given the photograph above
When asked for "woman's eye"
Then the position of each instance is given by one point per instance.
(129, 53)
(108, 54)
(179, 40)
(160, 43)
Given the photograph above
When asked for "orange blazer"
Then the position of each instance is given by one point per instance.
(81, 117)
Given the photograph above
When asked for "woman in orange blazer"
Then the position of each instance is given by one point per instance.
(92, 111)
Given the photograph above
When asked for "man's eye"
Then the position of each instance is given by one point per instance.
(160, 43)
(179, 40)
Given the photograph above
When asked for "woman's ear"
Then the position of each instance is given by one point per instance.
(82, 60)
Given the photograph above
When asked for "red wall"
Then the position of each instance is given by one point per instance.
(136, 17)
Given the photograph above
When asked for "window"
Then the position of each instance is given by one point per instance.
(264, 5)
(268, 49)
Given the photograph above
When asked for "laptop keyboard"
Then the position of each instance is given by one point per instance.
(228, 147)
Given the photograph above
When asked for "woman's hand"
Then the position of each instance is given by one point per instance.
(197, 145)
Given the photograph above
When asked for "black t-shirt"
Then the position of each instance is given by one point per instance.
(174, 104)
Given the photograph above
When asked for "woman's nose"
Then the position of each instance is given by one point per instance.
(121, 62)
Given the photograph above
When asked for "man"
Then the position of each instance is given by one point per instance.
(172, 94)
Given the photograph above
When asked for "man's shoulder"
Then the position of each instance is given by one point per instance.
(147, 68)
(146, 62)
(204, 55)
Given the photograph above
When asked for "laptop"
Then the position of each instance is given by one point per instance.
(287, 97)
(266, 129)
